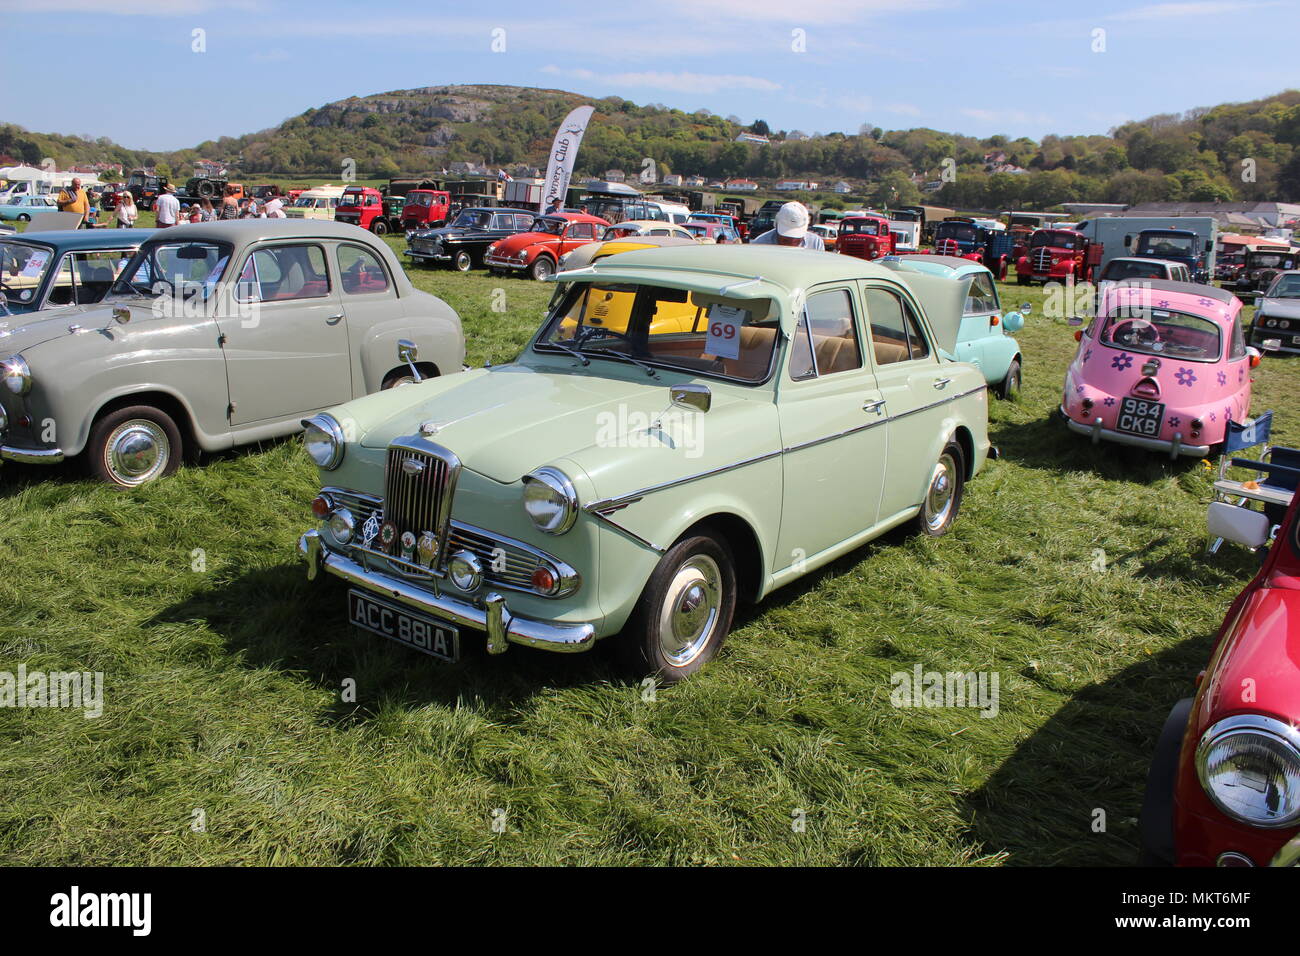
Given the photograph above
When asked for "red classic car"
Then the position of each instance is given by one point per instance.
(1224, 784)
(538, 250)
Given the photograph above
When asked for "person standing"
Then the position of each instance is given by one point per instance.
(127, 213)
(229, 205)
(73, 199)
(206, 212)
(792, 229)
(167, 207)
(275, 208)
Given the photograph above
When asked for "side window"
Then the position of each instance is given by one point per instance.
(61, 286)
(1237, 348)
(826, 340)
(362, 272)
(280, 272)
(96, 272)
(895, 332)
(580, 230)
(522, 223)
(981, 298)
(502, 222)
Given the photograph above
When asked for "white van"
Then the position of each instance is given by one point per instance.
(319, 202)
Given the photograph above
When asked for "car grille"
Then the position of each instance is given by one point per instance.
(506, 563)
(424, 245)
(419, 482)
(1041, 260)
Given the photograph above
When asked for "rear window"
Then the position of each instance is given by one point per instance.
(1163, 332)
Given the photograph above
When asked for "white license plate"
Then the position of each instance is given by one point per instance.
(1140, 417)
(416, 631)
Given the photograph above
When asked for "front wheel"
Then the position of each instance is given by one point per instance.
(23, 217)
(541, 269)
(463, 261)
(1010, 386)
(1021, 280)
(684, 613)
(133, 446)
(943, 494)
(379, 227)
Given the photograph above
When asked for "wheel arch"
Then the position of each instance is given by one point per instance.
(160, 399)
(966, 442)
(744, 544)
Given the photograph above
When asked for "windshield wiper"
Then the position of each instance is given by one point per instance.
(568, 348)
(606, 353)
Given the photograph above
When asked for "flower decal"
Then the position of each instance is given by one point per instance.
(1175, 422)
(1227, 414)
(1122, 361)
(1223, 378)
(1078, 389)
(1214, 416)
(1241, 375)
(1109, 401)
(1205, 302)
(1162, 304)
(1087, 355)
(1185, 376)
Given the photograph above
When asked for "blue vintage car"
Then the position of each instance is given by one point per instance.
(23, 208)
(44, 270)
(986, 339)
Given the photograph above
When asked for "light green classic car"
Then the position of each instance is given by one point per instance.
(690, 427)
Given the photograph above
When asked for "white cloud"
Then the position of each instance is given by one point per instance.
(680, 82)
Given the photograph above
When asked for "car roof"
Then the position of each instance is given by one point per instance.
(251, 230)
(646, 223)
(955, 263)
(577, 217)
(1191, 295)
(88, 239)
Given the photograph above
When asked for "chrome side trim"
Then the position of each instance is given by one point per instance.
(658, 549)
(494, 619)
(605, 505)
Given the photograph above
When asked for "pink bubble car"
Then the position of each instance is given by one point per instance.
(1164, 366)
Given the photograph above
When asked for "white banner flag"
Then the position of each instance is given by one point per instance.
(559, 169)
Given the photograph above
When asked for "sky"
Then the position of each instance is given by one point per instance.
(169, 74)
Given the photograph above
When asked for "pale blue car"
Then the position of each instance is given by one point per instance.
(23, 208)
(986, 339)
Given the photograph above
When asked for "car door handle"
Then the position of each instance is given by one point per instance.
(941, 382)
(334, 319)
(873, 406)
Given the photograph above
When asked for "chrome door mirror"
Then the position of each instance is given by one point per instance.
(408, 353)
(691, 396)
(1026, 308)
(121, 316)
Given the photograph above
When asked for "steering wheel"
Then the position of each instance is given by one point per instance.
(1144, 334)
(593, 331)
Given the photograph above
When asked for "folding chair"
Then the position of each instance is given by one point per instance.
(1277, 473)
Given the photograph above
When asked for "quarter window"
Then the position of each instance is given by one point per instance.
(361, 271)
(981, 297)
(281, 272)
(895, 332)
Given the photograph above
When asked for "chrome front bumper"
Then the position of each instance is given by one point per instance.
(492, 262)
(494, 618)
(31, 456)
(1097, 433)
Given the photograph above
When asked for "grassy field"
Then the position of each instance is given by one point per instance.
(1075, 573)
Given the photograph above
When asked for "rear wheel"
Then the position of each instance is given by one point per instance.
(1010, 386)
(684, 613)
(379, 227)
(943, 494)
(463, 261)
(134, 446)
(23, 217)
(1021, 280)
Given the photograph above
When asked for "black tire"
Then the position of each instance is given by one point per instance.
(1021, 280)
(697, 573)
(134, 446)
(1010, 386)
(462, 261)
(1156, 821)
(541, 268)
(943, 493)
(206, 190)
(379, 227)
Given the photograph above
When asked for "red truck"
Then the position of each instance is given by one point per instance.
(1056, 255)
(366, 207)
(426, 209)
(865, 237)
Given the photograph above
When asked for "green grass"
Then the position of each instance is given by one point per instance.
(223, 685)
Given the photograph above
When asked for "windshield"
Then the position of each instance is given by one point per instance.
(22, 270)
(960, 231)
(303, 202)
(670, 328)
(1271, 260)
(1166, 247)
(473, 219)
(163, 267)
(1162, 332)
(548, 225)
(1120, 269)
(1285, 287)
(1058, 240)
(419, 199)
(866, 227)
(351, 199)
(618, 232)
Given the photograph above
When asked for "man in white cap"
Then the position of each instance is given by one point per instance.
(792, 229)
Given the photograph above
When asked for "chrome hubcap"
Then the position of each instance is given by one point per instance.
(939, 499)
(137, 451)
(689, 615)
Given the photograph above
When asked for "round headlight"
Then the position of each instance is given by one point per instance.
(1249, 765)
(550, 500)
(465, 571)
(323, 439)
(341, 526)
(16, 375)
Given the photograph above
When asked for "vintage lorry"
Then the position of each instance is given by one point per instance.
(976, 240)
(368, 208)
(145, 187)
(1059, 255)
(426, 209)
(865, 236)
(1165, 238)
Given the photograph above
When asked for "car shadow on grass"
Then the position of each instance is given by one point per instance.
(1070, 794)
(276, 618)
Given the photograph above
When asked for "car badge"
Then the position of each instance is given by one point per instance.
(427, 548)
(412, 466)
(429, 428)
(369, 530)
(408, 545)
(387, 535)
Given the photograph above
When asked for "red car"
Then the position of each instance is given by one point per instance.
(1224, 785)
(538, 250)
